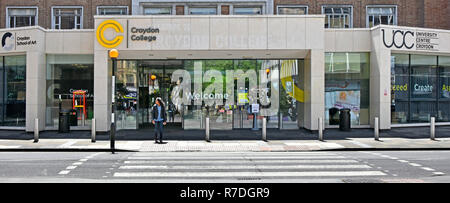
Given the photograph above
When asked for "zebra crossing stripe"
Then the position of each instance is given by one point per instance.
(242, 161)
(243, 167)
(234, 158)
(228, 154)
(249, 174)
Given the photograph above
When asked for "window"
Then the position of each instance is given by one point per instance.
(420, 88)
(67, 18)
(112, 10)
(292, 10)
(386, 15)
(21, 17)
(158, 11)
(203, 11)
(347, 85)
(247, 11)
(338, 16)
(66, 74)
(13, 90)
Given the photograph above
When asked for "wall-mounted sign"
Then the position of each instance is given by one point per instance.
(24, 41)
(112, 24)
(411, 40)
(8, 41)
(427, 41)
(144, 34)
(399, 39)
(12, 41)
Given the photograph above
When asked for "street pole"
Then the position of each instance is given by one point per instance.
(113, 54)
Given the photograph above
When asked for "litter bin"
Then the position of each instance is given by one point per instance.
(64, 126)
(73, 118)
(344, 120)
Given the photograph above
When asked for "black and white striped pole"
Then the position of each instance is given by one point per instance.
(113, 54)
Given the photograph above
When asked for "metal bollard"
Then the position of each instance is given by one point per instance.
(280, 120)
(207, 130)
(83, 120)
(93, 131)
(433, 128)
(36, 130)
(320, 128)
(264, 129)
(376, 129)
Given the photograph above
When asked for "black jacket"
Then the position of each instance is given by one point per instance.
(155, 113)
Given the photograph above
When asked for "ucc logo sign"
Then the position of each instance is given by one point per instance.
(396, 36)
(101, 33)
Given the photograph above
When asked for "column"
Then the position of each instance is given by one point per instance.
(314, 88)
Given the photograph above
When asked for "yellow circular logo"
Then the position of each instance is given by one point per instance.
(101, 30)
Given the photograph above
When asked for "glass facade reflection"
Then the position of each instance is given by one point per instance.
(65, 75)
(12, 90)
(419, 88)
(347, 86)
(219, 89)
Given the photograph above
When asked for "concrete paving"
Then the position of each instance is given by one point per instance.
(235, 140)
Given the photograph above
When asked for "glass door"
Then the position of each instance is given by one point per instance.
(126, 93)
(160, 86)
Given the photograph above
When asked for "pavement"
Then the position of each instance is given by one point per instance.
(228, 141)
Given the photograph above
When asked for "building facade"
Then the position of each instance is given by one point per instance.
(292, 68)
(79, 14)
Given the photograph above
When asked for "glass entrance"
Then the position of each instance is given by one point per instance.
(160, 86)
(222, 90)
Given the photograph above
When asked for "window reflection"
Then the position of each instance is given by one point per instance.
(12, 92)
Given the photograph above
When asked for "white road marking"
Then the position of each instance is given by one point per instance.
(243, 167)
(403, 161)
(76, 164)
(236, 158)
(242, 161)
(414, 164)
(71, 167)
(65, 172)
(251, 174)
(438, 173)
(428, 169)
(229, 154)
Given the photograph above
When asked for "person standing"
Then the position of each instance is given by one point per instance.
(159, 119)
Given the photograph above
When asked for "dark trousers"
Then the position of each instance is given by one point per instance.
(159, 128)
